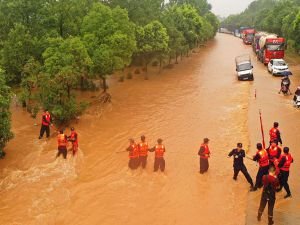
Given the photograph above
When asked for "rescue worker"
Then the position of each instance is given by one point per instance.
(204, 154)
(143, 151)
(73, 138)
(284, 164)
(238, 163)
(46, 122)
(270, 183)
(62, 142)
(159, 162)
(133, 154)
(274, 152)
(263, 159)
(275, 134)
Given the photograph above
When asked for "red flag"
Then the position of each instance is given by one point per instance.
(262, 130)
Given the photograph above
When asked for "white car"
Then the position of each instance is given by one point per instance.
(277, 66)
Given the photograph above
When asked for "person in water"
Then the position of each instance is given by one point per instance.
(204, 154)
(133, 150)
(73, 138)
(159, 161)
(62, 142)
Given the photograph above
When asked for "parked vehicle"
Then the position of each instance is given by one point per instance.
(248, 36)
(237, 33)
(255, 43)
(271, 47)
(244, 67)
(278, 67)
(241, 31)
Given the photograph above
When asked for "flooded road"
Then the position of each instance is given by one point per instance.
(199, 98)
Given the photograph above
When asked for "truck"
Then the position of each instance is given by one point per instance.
(255, 43)
(244, 67)
(237, 33)
(270, 47)
(241, 31)
(248, 36)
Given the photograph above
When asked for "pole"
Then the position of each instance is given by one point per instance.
(262, 130)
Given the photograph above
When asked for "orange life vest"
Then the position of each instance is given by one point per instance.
(62, 140)
(47, 118)
(288, 162)
(273, 151)
(74, 136)
(205, 154)
(264, 158)
(273, 134)
(143, 149)
(134, 151)
(159, 151)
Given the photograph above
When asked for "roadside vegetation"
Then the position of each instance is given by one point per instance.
(49, 49)
(281, 17)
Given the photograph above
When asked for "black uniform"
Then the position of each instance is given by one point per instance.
(270, 183)
(238, 164)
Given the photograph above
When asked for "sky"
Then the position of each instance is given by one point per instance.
(225, 8)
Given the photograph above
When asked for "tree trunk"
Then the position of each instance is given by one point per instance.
(104, 84)
(69, 91)
(81, 82)
(176, 58)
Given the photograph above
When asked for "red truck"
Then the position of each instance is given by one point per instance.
(248, 36)
(271, 47)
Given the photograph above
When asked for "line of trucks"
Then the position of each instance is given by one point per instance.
(266, 46)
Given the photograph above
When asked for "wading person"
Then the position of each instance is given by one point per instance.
(275, 134)
(143, 151)
(263, 159)
(73, 138)
(46, 122)
(133, 154)
(270, 184)
(62, 143)
(238, 163)
(204, 154)
(284, 164)
(274, 152)
(159, 161)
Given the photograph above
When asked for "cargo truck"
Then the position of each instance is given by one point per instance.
(270, 47)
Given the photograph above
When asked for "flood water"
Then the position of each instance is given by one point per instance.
(200, 97)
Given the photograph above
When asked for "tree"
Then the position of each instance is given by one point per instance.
(141, 12)
(17, 49)
(152, 41)
(5, 124)
(66, 62)
(109, 37)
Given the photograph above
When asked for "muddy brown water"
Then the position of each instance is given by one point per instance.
(199, 98)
